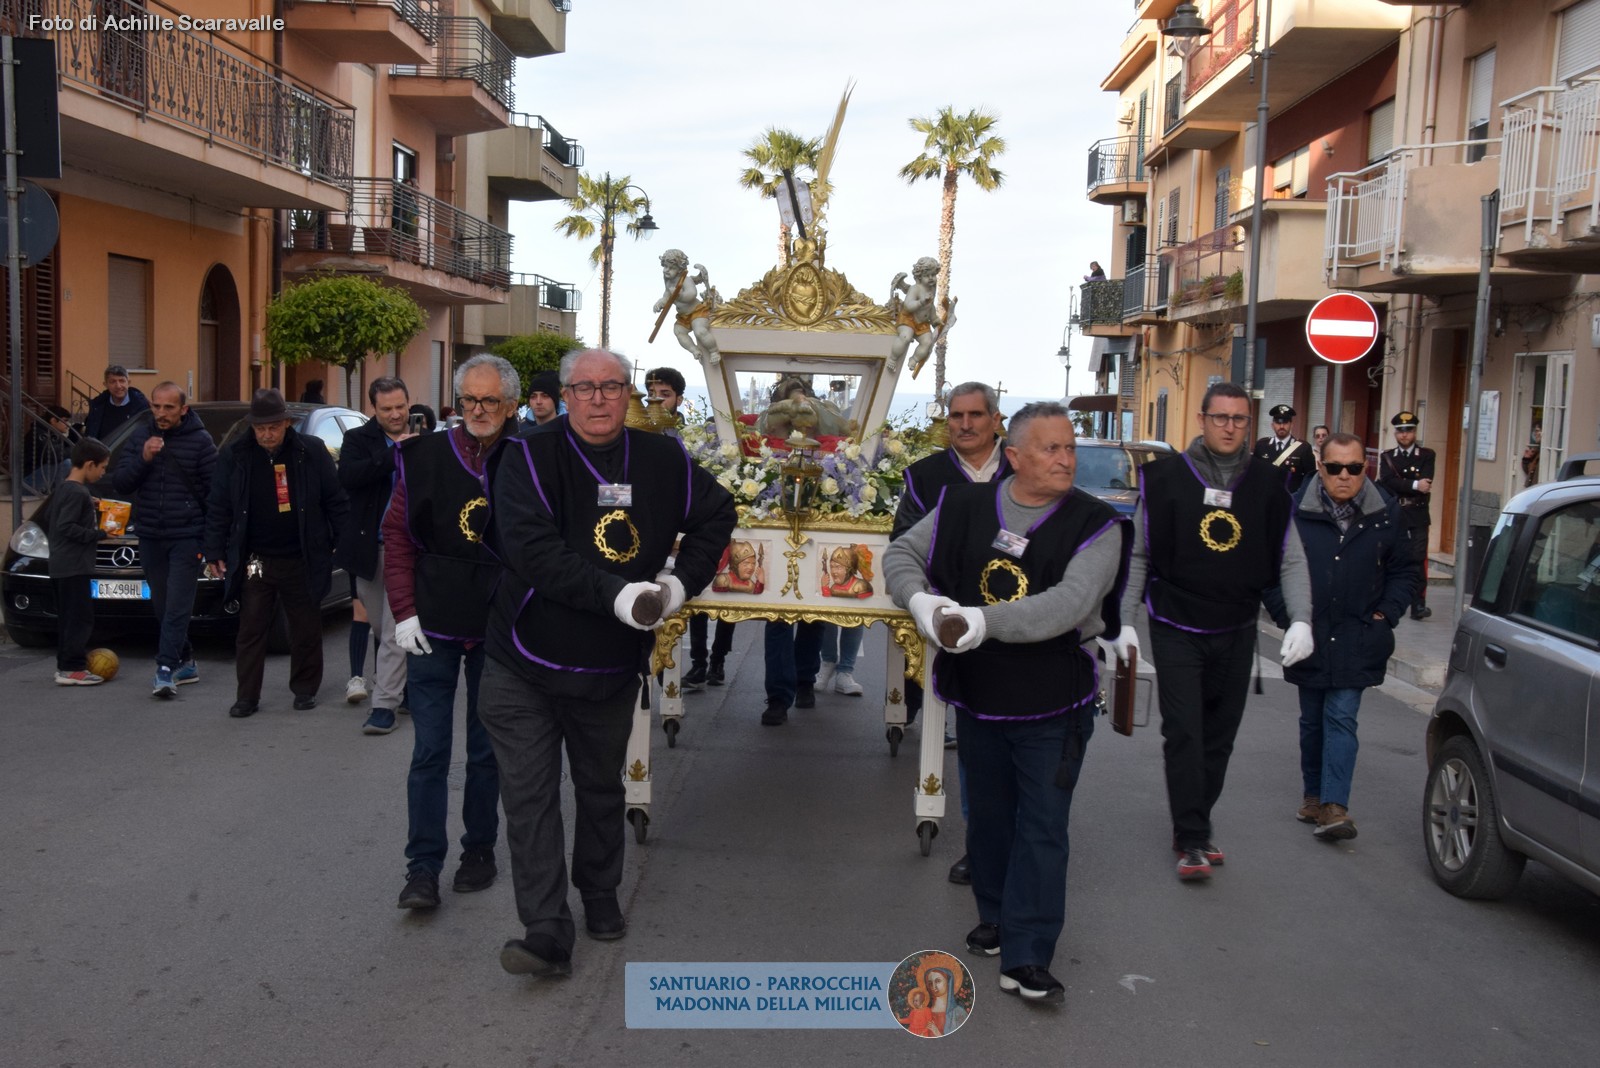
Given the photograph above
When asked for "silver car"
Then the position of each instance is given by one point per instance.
(1514, 741)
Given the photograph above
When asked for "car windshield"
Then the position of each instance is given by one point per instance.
(1103, 467)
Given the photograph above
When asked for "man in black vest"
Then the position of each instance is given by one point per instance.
(583, 522)
(975, 455)
(1212, 533)
(1031, 565)
(438, 580)
(367, 471)
(1286, 452)
(1406, 471)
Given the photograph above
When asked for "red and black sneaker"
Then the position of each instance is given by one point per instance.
(1193, 865)
(1214, 856)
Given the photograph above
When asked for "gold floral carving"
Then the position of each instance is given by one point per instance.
(672, 690)
(794, 554)
(805, 297)
(637, 772)
(840, 523)
(894, 697)
(931, 786)
(667, 636)
(464, 520)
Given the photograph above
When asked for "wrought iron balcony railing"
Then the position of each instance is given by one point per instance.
(1232, 31)
(466, 48)
(568, 151)
(1116, 161)
(557, 296)
(1201, 269)
(1100, 303)
(394, 219)
(192, 79)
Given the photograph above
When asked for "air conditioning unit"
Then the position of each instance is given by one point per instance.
(1133, 210)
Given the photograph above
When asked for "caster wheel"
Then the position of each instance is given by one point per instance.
(927, 831)
(894, 734)
(641, 825)
(670, 727)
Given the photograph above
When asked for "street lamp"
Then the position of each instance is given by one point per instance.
(1064, 354)
(643, 228)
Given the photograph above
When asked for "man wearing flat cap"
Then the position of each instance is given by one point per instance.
(1284, 451)
(1406, 471)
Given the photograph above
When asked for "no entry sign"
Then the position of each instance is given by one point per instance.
(1342, 328)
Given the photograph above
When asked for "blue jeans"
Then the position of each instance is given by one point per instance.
(1021, 776)
(431, 682)
(793, 656)
(172, 567)
(1328, 743)
(840, 645)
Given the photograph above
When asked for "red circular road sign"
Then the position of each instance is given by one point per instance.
(1342, 328)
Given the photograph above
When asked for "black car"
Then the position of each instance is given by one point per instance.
(119, 589)
(1110, 469)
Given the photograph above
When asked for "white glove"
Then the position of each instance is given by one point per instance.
(623, 606)
(1297, 644)
(1126, 645)
(922, 606)
(975, 630)
(409, 637)
(672, 589)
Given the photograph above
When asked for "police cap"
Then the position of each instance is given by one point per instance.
(1406, 420)
(1280, 413)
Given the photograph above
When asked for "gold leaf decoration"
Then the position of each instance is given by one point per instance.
(805, 297)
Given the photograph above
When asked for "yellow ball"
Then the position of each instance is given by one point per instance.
(104, 662)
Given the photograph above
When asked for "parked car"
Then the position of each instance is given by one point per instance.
(1514, 741)
(1109, 469)
(122, 596)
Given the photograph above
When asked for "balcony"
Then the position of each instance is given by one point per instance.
(531, 161)
(1116, 170)
(1313, 42)
(191, 114)
(1213, 274)
(534, 303)
(1179, 131)
(1100, 309)
(467, 87)
(1139, 305)
(429, 247)
(364, 31)
(531, 27)
(1207, 275)
(1550, 179)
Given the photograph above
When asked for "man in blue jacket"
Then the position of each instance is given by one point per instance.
(114, 405)
(166, 466)
(1362, 581)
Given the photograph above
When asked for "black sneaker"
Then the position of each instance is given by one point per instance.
(961, 872)
(536, 955)
(602, 918)
(984, 939)
(1032, 982)
(241, 709)
(776, 715)
(421, 891)
(304, 702)
(477, 871)
(695, 678)
(805, 696)
(1419, 614)
(714, 676)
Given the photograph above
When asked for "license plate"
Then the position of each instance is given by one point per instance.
(119, 590)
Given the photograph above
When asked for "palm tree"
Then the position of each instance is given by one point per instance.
(770, 155)
(954, 145)
(599, 204)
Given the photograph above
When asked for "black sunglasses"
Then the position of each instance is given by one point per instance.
(1349, 469)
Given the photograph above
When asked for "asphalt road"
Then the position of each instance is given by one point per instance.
(185, 889)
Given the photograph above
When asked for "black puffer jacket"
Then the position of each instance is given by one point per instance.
(170, 492)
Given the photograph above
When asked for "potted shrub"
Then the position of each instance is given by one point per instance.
(1233, 287)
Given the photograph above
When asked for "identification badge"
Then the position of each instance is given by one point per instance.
(1216, 498)
(1013, 545)
(616, 495)
(280, 480)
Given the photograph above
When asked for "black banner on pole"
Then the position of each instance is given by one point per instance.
(38, 122)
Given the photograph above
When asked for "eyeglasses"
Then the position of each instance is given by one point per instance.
(586, 390)
(1218, 419)
(1349, 469)
(488, 404)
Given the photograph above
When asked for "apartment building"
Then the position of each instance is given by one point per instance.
(206, 167)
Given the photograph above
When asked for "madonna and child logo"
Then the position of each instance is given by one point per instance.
(930, 994)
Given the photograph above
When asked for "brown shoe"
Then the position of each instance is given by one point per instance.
(1310, 809)
(1334, 822)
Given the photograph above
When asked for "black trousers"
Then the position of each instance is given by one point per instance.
(75, 622)
(697, 639)
(1416, 543)
(283, 581)
(1203, 681)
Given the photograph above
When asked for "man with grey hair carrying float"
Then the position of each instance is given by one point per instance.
(1011, 579)
(584, 518)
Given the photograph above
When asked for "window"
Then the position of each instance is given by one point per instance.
(1557, 395)
(1380, 131)
(1172, 217)
(128, 311)
(1480, 103)
(1560, 585)
(1493, 573)
(1291, 175)
(1579, 50)
(1224, 196)
(1161, 413)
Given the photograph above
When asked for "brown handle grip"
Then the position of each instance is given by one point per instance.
(951, 627)
(647, 609)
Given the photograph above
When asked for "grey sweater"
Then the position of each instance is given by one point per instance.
(1072, 603)
(1219, 472)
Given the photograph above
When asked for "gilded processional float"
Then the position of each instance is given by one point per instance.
(816, 471)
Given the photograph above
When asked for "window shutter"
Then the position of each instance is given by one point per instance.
(1172, 217)
(1579, 51)
(1220, 217)
(1380, 131)
(1480, 98)
(128, 311)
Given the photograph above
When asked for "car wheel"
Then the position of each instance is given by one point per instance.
(1461, 825)
(28, 638)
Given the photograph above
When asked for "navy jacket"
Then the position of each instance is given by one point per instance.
(94, 423)
(1366, 571)
(320, 507)
(169, 493)
(366, 471)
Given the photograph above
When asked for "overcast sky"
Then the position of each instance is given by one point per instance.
(672, 94)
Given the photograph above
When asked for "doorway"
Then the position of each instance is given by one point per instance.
(217, 372)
